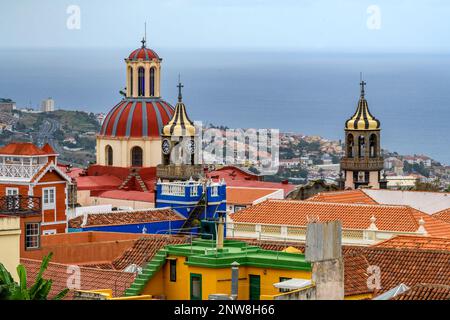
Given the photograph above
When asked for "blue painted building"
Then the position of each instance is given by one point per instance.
(195, 200)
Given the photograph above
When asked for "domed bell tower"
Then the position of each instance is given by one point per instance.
(179, 146)
(362, 163)
(143, 73)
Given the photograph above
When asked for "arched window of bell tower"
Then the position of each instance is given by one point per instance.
(136, 157)
(373, 146)
(361, 146)
(152, 82)
(141, 80)
(350, 146)
(109, 155)
(130, 79)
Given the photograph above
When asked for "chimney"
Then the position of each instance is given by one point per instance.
(324, 251)
(220, 230)
(234, 280)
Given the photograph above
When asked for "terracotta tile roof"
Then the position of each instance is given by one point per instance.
(128, 195)
(22, 149)
(443, 215)
(355, 264)
(408, 266)
(287, 188)
(90, 279)
(103, 182)
(425, 292)
(246, 196)
(144, 249)
(415, 242)
(125, 217)
(353, 216)
(49, 149)
(350, 196)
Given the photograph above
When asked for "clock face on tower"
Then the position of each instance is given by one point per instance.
(165, 146)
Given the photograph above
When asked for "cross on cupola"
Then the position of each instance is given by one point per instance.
(143, 41)
(180, 86)
(362, 83)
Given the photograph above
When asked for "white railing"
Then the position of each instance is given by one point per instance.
(11, 171)
(178, 188)
(298, 233)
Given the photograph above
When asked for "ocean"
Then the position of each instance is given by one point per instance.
(305, 92)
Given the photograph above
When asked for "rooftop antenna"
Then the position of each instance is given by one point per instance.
(144, 39)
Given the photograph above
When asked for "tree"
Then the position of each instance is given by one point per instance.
(11, 290)
(427, 186)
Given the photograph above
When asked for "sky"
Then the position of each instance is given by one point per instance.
(309, 25)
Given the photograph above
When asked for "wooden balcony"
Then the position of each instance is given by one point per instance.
(20, 205)
(364, 164)
(179, 172)
(17, 171)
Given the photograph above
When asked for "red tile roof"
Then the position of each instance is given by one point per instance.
(23, 149)
(90, 279)
(125, 217)
(144, 249)
(415, 242)
(49, 149)
(127, 195)
(287, 188)
(353, 216)
(246, 196)
(350, 196)
(425, 292)
(443, 215)
(409, 266)
(104, 182)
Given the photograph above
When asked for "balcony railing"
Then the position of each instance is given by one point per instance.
(18, 171)
(175, 172)
(361, 164)
(20, 205)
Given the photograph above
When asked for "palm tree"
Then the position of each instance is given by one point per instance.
(11, 290)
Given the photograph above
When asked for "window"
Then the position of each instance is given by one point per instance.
(350, 145)
(109, 155)
(196, 286)
(136, 157)
(32, 235)
(152, 82)
(281, 280)
(141, 84)
(214, 191)
(49, 198)
(237, 208)
(12, 198)
(130, 75)
(373, 146)
(361, 147)
(173, 270)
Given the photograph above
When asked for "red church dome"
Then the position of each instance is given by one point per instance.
(137, 118)
(144, 53)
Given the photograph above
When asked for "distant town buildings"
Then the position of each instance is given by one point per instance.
(7, 105)
(48, 105)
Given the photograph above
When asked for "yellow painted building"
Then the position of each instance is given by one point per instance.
(10, 243)
(195, 271)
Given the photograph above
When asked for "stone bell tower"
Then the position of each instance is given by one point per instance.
(362, 163)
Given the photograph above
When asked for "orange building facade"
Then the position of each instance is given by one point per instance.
(33, 187)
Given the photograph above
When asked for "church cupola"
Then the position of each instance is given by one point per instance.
(362, 163)
(143, 73)
(178, 135)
